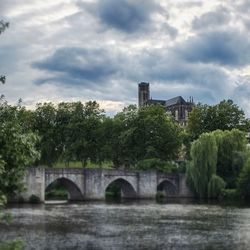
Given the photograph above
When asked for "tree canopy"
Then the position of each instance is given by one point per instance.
(17, 149)
(217, 159)
(224, 116)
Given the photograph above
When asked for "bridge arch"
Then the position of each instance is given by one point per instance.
(126, 189)
(74, 192)
(168, 188)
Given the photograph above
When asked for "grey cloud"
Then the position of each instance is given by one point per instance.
(242, 92)
(172, 31)
(223, 47)
(126, 15)
(212, 19)
(78, 65)
(168, 68)
(243, 6)
(95, 69)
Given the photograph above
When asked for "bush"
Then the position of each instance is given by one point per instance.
(160, 195)
(157, 164)
(34, 199)
(230, 194)
(215, 186)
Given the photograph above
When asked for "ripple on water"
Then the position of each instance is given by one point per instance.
(129, 226)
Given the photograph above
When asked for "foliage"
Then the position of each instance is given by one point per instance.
(113, 191)
(215, 186)
(203, 164)
(230, 194)
(44, 122)
(231, 154)
(34, 199)
(145, 134)
(224, 116)
(244, 180)
(69, 132)
(17, 148)
(157, 164)
(216, 161)
(56, 191)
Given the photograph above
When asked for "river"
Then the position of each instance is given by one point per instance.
(132, 225)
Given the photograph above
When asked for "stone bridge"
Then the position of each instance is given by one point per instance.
(91, 184)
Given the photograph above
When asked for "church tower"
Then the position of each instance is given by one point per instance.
(143, 93)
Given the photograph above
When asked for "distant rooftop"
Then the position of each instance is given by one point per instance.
(168, 103)
(175, 100)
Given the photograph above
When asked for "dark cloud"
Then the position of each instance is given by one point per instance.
(133, 18)
(95, 69)
(223, 47)
(171, 69)
(212, 19)
(78, 65)
(126, 15)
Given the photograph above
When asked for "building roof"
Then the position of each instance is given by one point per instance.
(170, 102)
(174, 101)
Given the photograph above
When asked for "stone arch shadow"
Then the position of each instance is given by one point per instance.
(127, 190)
(168, 188)
(74, 192)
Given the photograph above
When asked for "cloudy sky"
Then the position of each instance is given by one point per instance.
(70, 50)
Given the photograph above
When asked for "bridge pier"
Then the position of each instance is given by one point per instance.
(34, 181)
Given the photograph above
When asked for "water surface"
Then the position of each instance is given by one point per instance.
(136, 225)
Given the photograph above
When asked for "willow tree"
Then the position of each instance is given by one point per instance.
(203, 164)
(232, 147)
(244, 180)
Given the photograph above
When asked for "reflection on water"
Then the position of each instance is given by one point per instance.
(132, 225)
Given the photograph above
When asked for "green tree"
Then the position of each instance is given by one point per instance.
(44, 122)
(244, 180)
(81, 131)
(145, 134)
(224, 116)
(231, 154)
(203, 163)
(18, 150)
(215, 186)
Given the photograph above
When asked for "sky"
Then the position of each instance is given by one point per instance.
(81, 50)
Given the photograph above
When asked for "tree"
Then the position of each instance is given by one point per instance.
(203, 164)
(244, 180)
(224, 116)
(17, 149)
(81, 131)
(231, 154)
(145, 134)
(44, 122)
(215, 186)
(216, 161)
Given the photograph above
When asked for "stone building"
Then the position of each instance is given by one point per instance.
(177, 107)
